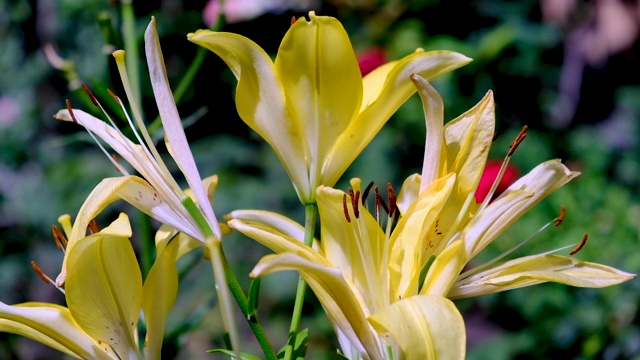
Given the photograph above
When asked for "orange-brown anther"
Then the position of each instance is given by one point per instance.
(366, 192)
(70, 109)
(40, 273)
(293, 20)
(354, 201)
(59, 237)
(380, 200)
(115, 97)
(93, 227)
(560, 217)
(580, 245)
(392, 200)
(518, 140)
(346, 208)
(93, 98)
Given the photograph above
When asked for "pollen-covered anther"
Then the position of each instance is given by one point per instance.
(41, 273)
(345, 208)
(115, 97)
(293, 20)
(560, 217)
(365, 194)
(70, 109)
(59, 237)
(93, 227)
(88, 91)
(380, 200)
(518, 140)
(580, 245)
(391, 194)
(354, 202)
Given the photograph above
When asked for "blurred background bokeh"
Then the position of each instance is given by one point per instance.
(566, 68)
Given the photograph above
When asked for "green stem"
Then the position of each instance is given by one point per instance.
(311, 217)
(243, 303)
(131, 48)
(148, 244)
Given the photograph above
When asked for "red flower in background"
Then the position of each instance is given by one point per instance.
(370, 59)
(489, 175)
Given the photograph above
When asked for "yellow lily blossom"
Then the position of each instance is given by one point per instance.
(105, 294)
(387, 288)
(158, 193)
(312, 104)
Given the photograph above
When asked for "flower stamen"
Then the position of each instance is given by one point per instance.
(44, 276)
(345, 208)
(59, 237)
(365, 194)
(560, 217)
(580, 245)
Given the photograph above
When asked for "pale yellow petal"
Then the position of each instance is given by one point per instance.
(445, 270)
(381, 100)
(166, 234)
(322, 81)
(426, 327)
(158, 296)
(343, 306)
(409, 249)
(537, 269)
(408, 192)
(260, 100)
(521, 196)
(104, 289)
(51, 325)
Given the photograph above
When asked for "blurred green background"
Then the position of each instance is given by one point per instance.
(568, 69)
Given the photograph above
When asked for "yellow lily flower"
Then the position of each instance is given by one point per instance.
(387, 289)
(105, 295)
(312, 104)
(158, 194)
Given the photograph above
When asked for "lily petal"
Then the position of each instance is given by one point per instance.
(379, 103)
(521, 196)
(53, 326)
(173, 128)
(343, 305)
(445, 270)
(158, 296)
(409, 251)
(322, 81)
(424, 326)
(104, 288)
(260, 99)
(537, 269)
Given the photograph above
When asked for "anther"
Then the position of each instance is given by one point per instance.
(354, 201)
(40, 273)
(115, 97)
(560, 217)
(366, 192)
(93, 98)
(380, 200)
(73, 117)
(59, 238)
(518, 140)
(346, 209)
(580, 245)
(392, 199)
(93, 227)
(293, 20)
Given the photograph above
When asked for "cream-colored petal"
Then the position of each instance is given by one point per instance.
(408, 192)
(343, 306)
(270, 221)
(172, 124)
(104, 289)
(135, 191)
(260, 100)
(322, 81)
(468, 140)
(166, 234)
(356, 247)
(51, 325)
(521, 196)
(409, 250)
(426, 327)
(537, 269)
(158, 296)
(445, 270)
(379, 103)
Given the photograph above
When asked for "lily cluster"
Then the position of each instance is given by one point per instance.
(386, 270)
